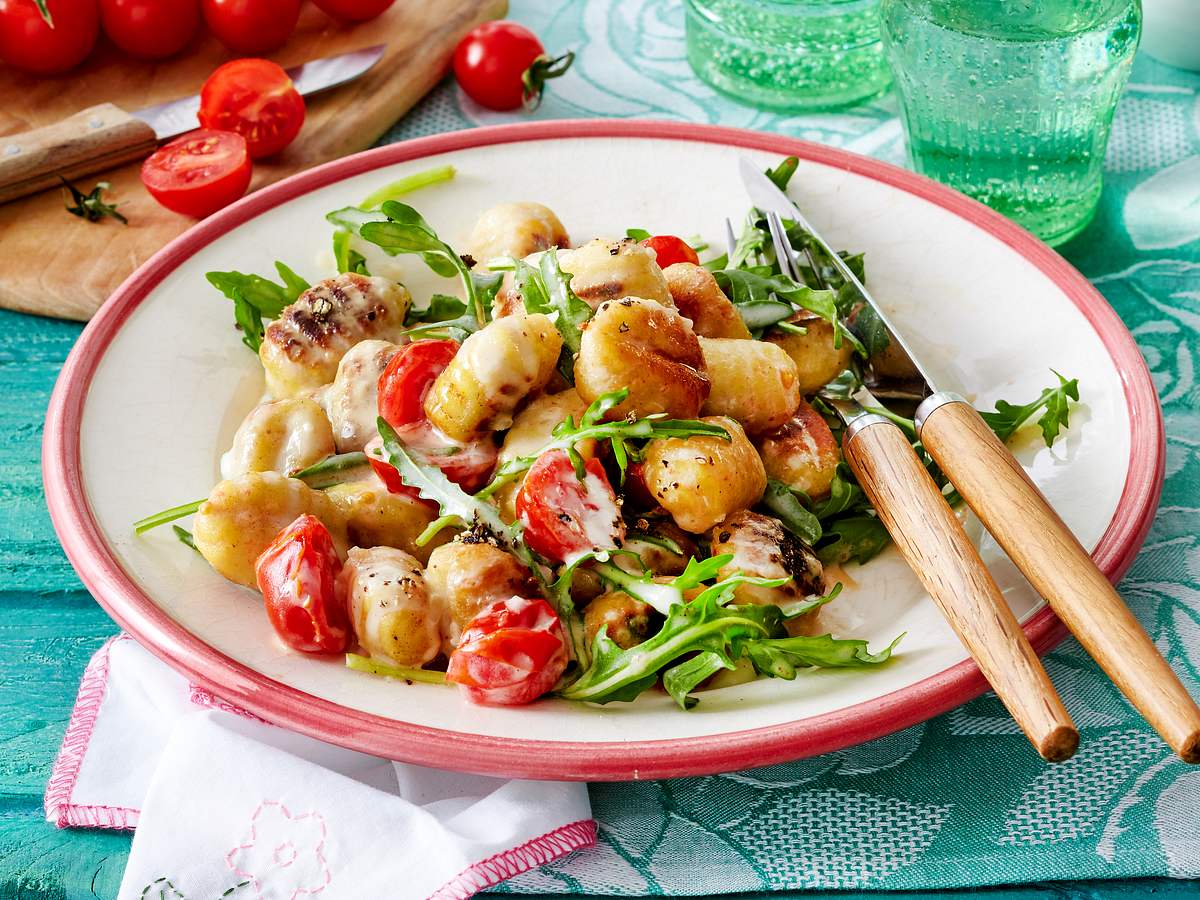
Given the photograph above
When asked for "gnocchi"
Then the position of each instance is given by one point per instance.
(609, 270)
(352, 400)
(279, 436)
(517, 230)
(376, 517)
(817, 361)
(752, 381)
(470, 574)
(530, 432)
(700, 299)
(803, 453)
(391, 610)
(624, 619)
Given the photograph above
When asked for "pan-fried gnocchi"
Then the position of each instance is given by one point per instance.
(494, 370)
(752, 381)
(648, 349)
(302, 348)
(242, 516)
(491, 481)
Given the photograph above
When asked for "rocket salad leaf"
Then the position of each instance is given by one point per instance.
(1053, 403)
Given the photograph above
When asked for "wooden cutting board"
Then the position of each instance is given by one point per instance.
(55, 264)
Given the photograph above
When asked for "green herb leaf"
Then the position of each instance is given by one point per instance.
(346, 257)
(753, 289)
(185, 537)
(869, 329)
(91, 206)
(397, 189)
(331, 470)
(255, 298)
(680, 680)
(167, 515)
(638, 234)
(783, 172)
(857, 538)
(404, 673)
(44, 10)
(786, 505)
(780, 657)
(1053, 403)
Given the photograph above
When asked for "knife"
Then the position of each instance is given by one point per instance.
(104, 136)
(1005, 499)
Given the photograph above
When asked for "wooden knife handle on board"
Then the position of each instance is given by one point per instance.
(932, 541)
(1001, 494)
(93, 140)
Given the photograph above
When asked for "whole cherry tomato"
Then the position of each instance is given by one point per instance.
(29, 42)
(502, 65)
(251, 26)
(512, 652)
(669, 250)
(353, 10)
(255, 98)
(297, 575)
(199, 173)
(565, 516)
(150, 29)
(402, 389)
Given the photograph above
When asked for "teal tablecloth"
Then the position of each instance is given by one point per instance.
(960, 800)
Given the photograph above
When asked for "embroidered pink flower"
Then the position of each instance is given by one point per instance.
(282, 855)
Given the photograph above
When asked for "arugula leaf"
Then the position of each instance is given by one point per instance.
(90, 207)
(255, 298)
(637, 234)
(346, 257)
(331, 470)
(680, 680)
(780, 657)
(753, 289)
(783, 172)
(787, 507)
(185, 537)
(1053, 403)
(445, 317)
(141, 526)
(844, 495)
(398, 188)
(857, 537)
(404, 673)
(870, 330)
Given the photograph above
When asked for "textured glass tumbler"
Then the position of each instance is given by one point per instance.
(788, 54)
(1011, 101)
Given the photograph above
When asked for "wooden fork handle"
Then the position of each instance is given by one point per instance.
(932, 541)
(995, 485)
(93, 140)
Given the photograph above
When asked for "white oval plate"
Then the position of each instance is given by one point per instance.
(159, 380)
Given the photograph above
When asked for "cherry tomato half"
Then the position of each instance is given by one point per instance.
(512, 652)
(255, 98)
(199, 173)
(669, 250)
(353, 10)
(564, 516)
(251, 26)
(150, 29)
(27, 41)
(502, 65)
(297, 575)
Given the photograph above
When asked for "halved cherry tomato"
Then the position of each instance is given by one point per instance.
(199, 173)
(502, 65)
(563, 516)
(387, 473)
(353, 10)
(150, 29)
(255, 98)
(637, 493)
(409, 376)
(512, 652)
(297, 575)
(29, 42)
(251, 26)
(670, 250)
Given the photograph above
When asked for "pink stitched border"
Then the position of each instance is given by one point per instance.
(59, 808)
(201, 697)
(536, 852)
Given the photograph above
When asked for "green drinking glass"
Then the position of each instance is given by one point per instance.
(1011, 101)
(788, 55)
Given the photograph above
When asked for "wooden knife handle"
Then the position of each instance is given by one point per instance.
(932, 541)
(93, 140)
(1044, 549)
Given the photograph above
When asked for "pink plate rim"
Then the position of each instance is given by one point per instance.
(568, 760)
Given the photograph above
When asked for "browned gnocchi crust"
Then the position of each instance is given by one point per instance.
(699, 298)
(517, 230)
(494, 370)
(817, 361)
(609, 270)
(467, 575)
(243, 515)
(375, 517)
(279, 436)
(626, 621)
(803, 454)
(302, 348)
(390, 608)
(702, 480)
(752, 381)
(648, 348)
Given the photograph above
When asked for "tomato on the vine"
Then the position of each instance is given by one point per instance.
(150, 29)
(669, 250)
(255, 98)
(502, 65)
(199, 173)
(512, 652)
(565, 515)
(353, 10)
(29, 42)
(297, 575)
(252, 26)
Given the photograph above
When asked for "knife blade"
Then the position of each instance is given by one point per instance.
(103, 136)
(175, 117)
(1020, 518)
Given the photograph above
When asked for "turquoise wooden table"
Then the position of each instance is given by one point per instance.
(1143, 252)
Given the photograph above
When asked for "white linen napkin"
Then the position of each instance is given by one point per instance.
(225, 805)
